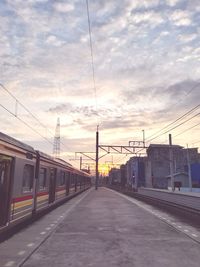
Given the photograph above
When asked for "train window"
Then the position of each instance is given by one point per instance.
(62, 179)
(72, 179)
(28, 178)
(43, 179)
(2, 170)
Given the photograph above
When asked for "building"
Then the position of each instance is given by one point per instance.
(158, 166)
(123, 175)
(114, 176)
(195, 174)
(136, 172)
(154, 171)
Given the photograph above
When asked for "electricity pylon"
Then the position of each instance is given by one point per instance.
(56, 143)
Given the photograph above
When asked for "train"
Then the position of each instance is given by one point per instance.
(32, 182)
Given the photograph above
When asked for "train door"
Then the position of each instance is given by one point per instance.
(67, 174)
(75, 179)
(52, 185)
(5, 188)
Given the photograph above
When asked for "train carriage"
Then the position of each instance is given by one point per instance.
(32, 181)
(17, 165)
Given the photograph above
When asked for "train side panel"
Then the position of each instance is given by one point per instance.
(31, 181)
(22, 198)
(6, 185)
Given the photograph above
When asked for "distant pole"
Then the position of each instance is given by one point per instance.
(97, 158)
(189, 170)
(171, 161)
(143, 137)
(81, 159)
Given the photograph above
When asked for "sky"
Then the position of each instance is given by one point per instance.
(147, 72)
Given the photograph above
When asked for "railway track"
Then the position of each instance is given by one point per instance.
(189, 214)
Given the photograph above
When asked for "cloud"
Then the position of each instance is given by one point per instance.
(181, 18)
(146, 58)
(189, 53)
(164, 33)
(187, 37)
(53, 40)
(63, 7)
(143, 4)
(184, 92)
(172, 3)
(122, 123)
(193, 5)
(86, 111)
(151, 17)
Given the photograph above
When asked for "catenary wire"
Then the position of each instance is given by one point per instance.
(189, 112)
(25, 108)
(188, 129)
(25, 123)
(92, 55)
(178, 119)
(189, 92)
(30, 127)
(175, 126)
(32, 115)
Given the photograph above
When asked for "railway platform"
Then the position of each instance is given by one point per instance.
(189, 200)
(102, 228)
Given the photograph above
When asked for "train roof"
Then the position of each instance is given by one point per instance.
(12, 141)
(42, 154)
(63, 162)
(58, 160)
(19, 144)
(163, 146)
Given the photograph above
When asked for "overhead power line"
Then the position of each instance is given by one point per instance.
(25, 123)
(91, 52)
(188, 93)
(32, 115)
(178, 119)
(188, 129)
(26, 109)
(175, 126)
(170, 124)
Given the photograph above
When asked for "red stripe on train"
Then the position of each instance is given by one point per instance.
(42, 194)
(22, 198)
(60, 189)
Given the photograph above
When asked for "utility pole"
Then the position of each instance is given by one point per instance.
(171, 161)
(143, 137)
(189, 170)
(81, 159)
(97, 158)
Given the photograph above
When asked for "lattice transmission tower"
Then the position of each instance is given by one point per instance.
(56, 143)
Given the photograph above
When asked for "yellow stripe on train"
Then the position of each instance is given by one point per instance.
(41, 198)
(60, 192)
(22, 204)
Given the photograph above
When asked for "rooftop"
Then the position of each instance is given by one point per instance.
(163, 146)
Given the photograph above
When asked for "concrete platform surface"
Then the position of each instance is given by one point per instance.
(104, 228)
